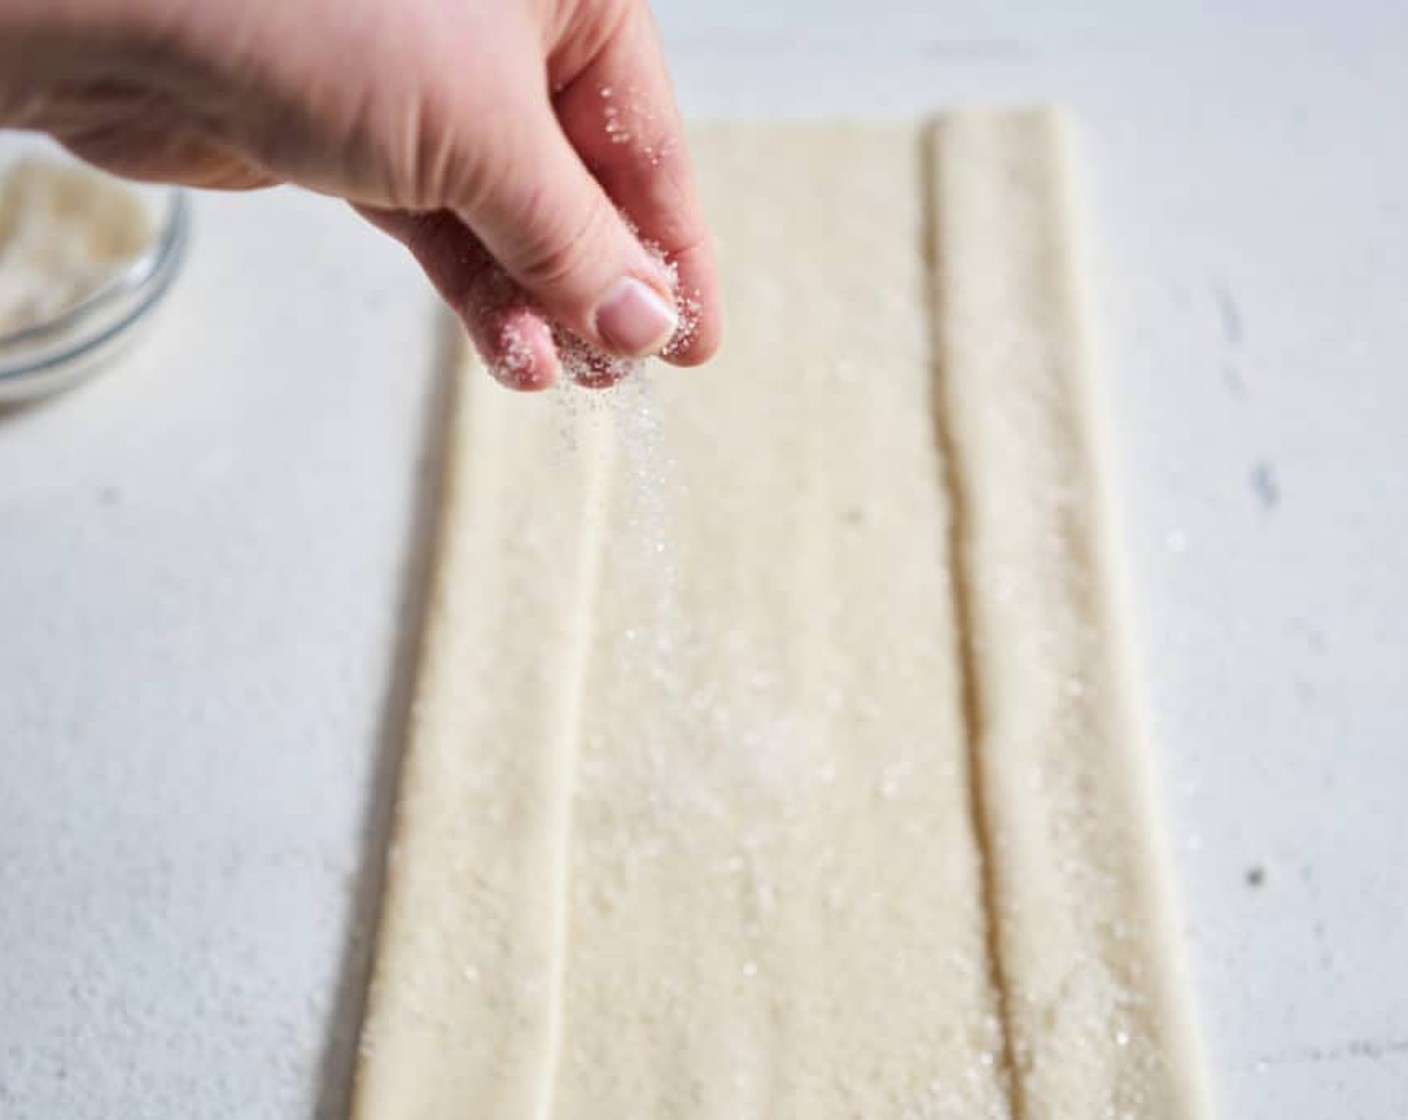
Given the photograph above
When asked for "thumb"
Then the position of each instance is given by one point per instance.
(552, 228)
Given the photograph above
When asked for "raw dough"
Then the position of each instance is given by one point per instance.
(772, 757)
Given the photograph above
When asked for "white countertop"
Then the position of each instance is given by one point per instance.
(209, 561)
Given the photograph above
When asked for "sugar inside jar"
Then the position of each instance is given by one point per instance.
(83, 257)
(65, 234)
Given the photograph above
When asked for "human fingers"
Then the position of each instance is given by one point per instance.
(619, 113)
(510, 335)
(539, 212)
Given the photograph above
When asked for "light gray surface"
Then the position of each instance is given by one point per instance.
(206, 561)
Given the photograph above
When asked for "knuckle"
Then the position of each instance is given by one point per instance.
(434, 157)
(425, 231)
(583, 30)
(555, 247)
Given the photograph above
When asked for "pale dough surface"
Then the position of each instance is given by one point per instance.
(771, 757)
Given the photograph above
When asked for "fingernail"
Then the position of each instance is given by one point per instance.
(634, 320)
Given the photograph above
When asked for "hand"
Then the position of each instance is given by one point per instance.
(495, 138)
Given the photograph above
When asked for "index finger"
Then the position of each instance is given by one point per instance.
(619, 113)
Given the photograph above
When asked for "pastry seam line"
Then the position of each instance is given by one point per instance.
(963, 637)
(574, 688)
